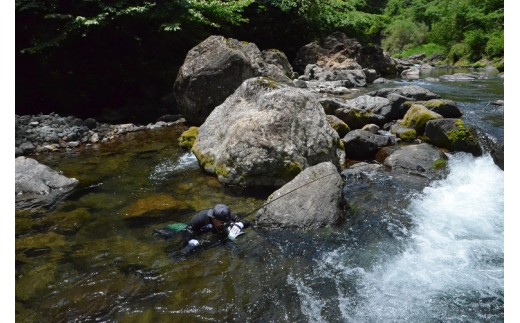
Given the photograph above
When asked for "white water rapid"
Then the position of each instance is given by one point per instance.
(452, 269)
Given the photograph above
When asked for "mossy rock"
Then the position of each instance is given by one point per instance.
(440, 164)
(452, 134)
(29, 284)
(188, 137)
(156, 206)
(268, 83)
(208, 163)
(354, 118)
(339, 125)
(402, 132)
(407, 135)
(446, 108)
(290, 170)
(417, 116)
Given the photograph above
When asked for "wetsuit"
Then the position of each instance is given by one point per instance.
(201, 223)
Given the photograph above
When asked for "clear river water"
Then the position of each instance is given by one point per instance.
(84, 260)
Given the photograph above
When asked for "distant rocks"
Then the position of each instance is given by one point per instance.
(337, 52)
(52, 132)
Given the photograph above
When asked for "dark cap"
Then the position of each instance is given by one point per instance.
(221, 212)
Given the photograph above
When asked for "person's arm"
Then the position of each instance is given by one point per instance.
(192, 229)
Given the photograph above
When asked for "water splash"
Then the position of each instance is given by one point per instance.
(452, 269)
(170, 167)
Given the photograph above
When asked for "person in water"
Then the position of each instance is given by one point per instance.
(218, 220)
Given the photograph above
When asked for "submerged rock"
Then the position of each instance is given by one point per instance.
(162, 206)
(311, 200)
(265, 134)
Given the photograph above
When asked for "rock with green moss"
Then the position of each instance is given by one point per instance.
(187, 138)
(417, 116)
(454, 135)
(264, 134)
(446, 108)
(316, 203)
(337, 124)
(402, 132)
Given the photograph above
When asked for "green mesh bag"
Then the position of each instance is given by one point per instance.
(177, 227)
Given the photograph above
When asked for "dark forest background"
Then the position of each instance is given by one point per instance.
(116, 60)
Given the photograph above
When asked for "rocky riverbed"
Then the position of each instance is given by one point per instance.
(52, 132)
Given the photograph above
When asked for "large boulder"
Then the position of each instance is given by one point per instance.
(454, 135)
(362, 144)
(39, 185)
(265, 134)
(311, 200)
(214, 69)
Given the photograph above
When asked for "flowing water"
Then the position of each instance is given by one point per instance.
(86, 260)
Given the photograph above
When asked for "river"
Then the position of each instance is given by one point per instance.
(83, 261)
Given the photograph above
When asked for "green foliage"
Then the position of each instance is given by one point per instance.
(495, 45)
(478, 25)
(428, 50)
(404, 34)
(331, 15)
(458, 52)
(476, 42)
